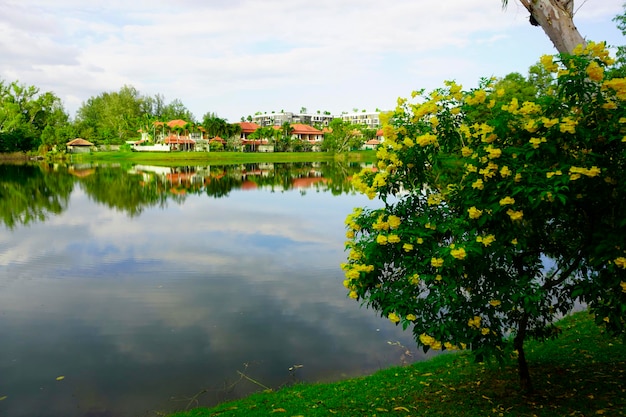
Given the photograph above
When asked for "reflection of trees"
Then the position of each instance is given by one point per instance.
(124, 191)
(28, 193)
(32, 192)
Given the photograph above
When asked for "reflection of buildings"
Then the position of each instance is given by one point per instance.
(180, 180)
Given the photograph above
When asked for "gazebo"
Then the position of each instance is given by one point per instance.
(79, 145)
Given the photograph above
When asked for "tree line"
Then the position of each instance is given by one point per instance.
(31, 120)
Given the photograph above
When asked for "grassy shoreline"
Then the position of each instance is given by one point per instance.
(218, 158)
(582, 373)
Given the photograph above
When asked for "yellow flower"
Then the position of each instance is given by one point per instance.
(568, 125)
(450, 346)
(493, 152)
(505, 171)
(486, 240)
(474, 322)
(535, 142)
(393, 238)
(436, 262)
(466, 152)
(623, 285)
(484, 331)
(426, 139)
(352, 274)
(434, 199)
(549, 122)
(518, 177)
(478, 97)
(514, 241)
(426, 340)
(414, 279)
(478, 184)
(353, 295)
(507, 200)
(411, 317)
(350, 234)
(595, 71)
(408, 142)
(470, 168)
(458, 253)
(381, 239)
(609, 105)
(512, 107)
(420, 240)
(495, 303)
(474, 213)
(380, 224)
(394, 221)
(515, 215)
(593, 171)
(548, 64)
(393, 317)
(407, 247)
(620, 262)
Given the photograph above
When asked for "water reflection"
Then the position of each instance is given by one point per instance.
(140, 304)
(33, 192)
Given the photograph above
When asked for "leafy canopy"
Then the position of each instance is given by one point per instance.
(502, 208)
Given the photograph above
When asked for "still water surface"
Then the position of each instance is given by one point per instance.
(145, 286)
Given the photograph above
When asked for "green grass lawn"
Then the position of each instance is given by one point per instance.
(580, 374)
(218, 158)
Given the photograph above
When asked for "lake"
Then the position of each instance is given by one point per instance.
(142, 290)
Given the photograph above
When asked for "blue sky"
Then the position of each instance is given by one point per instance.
(237, 57)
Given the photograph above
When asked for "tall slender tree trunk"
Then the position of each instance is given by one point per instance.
(556, 18)
(522, 365)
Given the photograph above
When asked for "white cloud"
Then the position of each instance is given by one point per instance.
(235, 58)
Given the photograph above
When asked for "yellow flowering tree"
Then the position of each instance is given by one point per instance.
(499, 214)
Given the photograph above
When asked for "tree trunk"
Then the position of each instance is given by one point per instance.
(522, 365)
(556, 18)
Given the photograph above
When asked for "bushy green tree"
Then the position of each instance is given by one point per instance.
(502, 209)
(342, 137)
(25, 114)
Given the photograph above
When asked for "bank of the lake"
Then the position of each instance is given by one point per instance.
(209, 158)
(582, 373)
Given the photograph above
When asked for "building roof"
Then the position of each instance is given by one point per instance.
(176, 123)
(248, 127)
(302, 129)
(79, 142)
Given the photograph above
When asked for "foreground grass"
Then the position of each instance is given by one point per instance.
(217, 158)
(583, 373)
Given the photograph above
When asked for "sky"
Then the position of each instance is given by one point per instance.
(235, 58)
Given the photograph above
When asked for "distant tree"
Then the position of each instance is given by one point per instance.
(215, 125)
(343, 137)
(176, 110)
(111, 117)
(283, 143)
(25, 114)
